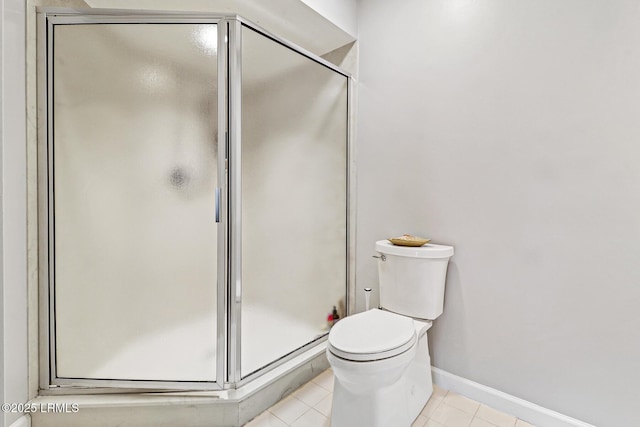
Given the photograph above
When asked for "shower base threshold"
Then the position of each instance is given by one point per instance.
(225, 408)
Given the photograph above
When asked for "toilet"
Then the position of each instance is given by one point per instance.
(380, 357)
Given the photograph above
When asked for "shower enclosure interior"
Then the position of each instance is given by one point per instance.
(193, 198)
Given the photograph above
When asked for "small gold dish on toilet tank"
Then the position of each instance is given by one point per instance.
(409, 240)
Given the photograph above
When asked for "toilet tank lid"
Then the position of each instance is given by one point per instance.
(425, 251)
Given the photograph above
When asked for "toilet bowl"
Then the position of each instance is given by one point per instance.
(382, 372)
(380, 357)
(371, 349)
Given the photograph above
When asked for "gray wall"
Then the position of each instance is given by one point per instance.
(511, 131)
(13, 236)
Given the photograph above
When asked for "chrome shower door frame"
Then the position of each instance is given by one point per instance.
(235, 199)
(49, 382)
(229, 244)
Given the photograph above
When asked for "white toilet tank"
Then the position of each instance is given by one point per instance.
(412, 278)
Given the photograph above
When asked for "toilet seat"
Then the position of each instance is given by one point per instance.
(372, 335)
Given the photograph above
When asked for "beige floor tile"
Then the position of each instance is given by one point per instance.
(438, 392)
(324, 406)
(420, 421)
(266, 419)
(312, 418)
(431, 406)
(520, 423)
(310, 406)
(451, 417)
(495, 417)
(479, 422)
(289, 409)
(325, 380)
(311, 393)
(460, 402)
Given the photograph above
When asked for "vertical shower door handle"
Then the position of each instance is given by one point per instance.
(218, 192)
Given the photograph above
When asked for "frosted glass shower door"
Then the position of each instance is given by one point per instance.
(132, 191)
(294, 199)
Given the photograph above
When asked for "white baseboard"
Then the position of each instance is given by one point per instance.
(23, 421)
(520, 408)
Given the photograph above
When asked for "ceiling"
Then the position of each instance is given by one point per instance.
(292, 20)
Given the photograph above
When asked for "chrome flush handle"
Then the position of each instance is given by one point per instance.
(382, 257)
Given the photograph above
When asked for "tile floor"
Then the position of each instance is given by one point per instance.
(310, 406)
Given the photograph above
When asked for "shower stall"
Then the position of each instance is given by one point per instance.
(193, 179)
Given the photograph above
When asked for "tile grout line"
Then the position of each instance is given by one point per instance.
(437, 406)
(295, 419)
(283, 421)
(439, 403)
(304, 403)
(489, 422)
(320, 413)
(475, 413)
